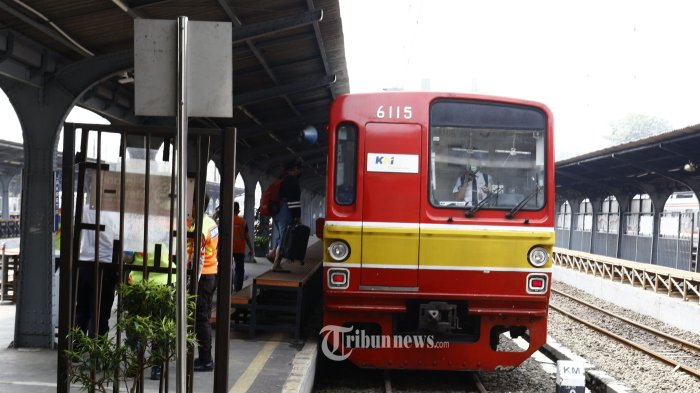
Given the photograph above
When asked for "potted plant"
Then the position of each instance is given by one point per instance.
(261, 244)
(261, 234)
(148, 323)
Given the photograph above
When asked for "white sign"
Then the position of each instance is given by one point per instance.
(210, 63)
(395, 163)
(570, 373)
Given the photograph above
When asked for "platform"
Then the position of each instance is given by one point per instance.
(269, 362)
(281, 301)
(620, 282)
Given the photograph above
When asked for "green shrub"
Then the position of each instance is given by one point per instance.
(261, 241)
(148, 328)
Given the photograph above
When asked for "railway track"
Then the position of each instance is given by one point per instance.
(343, 377)
(473, 384)
(681, 354)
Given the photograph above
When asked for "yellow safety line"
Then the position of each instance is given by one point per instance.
(248, 377)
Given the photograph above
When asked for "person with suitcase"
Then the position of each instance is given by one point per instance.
(290, 206)
(294, 242)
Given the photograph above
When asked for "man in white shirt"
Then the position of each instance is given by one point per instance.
(85, 298)
(472, 187)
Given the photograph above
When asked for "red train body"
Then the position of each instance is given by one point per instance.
(418, 273)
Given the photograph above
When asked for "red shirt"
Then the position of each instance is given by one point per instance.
(240, 230)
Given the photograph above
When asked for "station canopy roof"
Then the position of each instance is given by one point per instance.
(660, 164)
(288, 65)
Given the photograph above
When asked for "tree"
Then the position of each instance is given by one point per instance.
(637, 126)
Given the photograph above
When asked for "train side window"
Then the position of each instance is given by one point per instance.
(345, 164)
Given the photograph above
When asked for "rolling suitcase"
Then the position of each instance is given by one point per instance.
(294, 242)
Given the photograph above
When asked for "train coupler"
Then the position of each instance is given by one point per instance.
(440, 317)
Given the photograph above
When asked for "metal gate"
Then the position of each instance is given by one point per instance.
(104, 201)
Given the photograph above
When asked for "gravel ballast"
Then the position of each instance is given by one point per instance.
(630, 366)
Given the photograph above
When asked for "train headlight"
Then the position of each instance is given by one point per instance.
(538, 256)
(339, 250)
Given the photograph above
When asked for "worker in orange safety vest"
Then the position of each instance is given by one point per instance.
(207, 285)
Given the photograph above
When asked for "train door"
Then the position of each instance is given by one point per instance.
(391, 202)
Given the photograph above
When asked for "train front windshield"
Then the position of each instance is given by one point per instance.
(487, 155)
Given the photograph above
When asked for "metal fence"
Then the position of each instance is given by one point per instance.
(676, 240)
(561, 237)
(637, 237)
(128, 208)
(9, 228)
(581, 241)
(562, 229)
(606, 236)
(581, 234)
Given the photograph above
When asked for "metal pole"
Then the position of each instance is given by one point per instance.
(223, 315)
(65, 306)
(181, 254)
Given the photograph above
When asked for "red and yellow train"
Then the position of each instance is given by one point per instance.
(438, 231)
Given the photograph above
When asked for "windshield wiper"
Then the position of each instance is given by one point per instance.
(522, 203)
(470, 213)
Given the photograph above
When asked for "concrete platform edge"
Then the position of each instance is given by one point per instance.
(597, 377)
(301, 377)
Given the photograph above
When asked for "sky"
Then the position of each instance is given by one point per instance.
(591, 62)
(10, 129)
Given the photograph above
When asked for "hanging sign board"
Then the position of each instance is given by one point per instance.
(210, 76)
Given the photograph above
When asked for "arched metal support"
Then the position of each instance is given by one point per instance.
(624, 200)
(575, 205)
(5, 195)
(41, 114)
(6, 176)
(250, 181)
(596, 207)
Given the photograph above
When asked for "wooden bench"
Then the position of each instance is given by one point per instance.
(240, 303)
(276, 295)
(242, 297)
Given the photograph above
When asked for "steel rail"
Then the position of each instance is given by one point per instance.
(648, 351)
(683, 343)
(477, 382)
(387, 382)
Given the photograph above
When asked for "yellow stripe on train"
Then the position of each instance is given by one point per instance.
(439, 246)
(505, 249)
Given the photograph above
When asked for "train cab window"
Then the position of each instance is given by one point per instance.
(345, 164)
(487, 155)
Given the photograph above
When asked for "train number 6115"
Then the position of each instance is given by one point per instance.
(394, 112)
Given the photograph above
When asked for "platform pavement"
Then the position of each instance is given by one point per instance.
(262, 364)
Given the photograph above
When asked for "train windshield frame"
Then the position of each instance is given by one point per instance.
(487, 154)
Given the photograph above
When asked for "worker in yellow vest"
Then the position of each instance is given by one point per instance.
(206, 287)
(136, 276)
